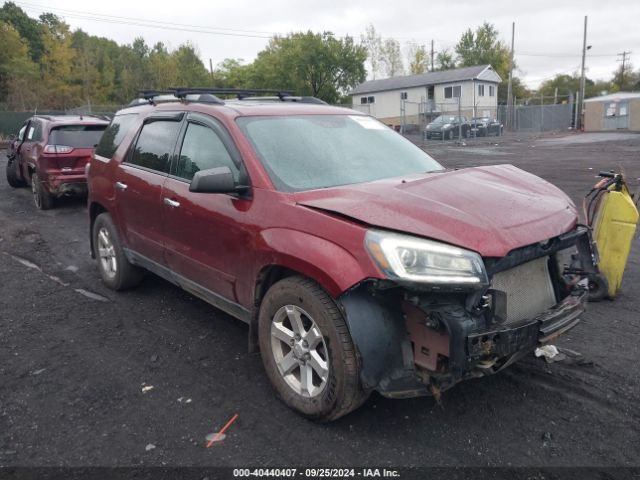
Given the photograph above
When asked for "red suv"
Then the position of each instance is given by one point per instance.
(51, 152)
(357, 260)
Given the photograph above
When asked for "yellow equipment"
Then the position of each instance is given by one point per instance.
(612, 214)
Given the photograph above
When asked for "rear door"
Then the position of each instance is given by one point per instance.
(138, 184)
(206, 237)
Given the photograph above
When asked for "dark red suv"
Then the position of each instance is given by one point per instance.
(357, 260)
(51, 152)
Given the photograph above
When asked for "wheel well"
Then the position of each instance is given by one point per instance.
(266, 278)
(95, 209)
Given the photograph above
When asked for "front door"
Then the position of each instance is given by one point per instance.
(206, 237)
(138, 185)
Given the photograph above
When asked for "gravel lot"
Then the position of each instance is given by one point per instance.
(75, 356)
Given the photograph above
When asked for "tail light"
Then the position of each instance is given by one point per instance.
(57, 149)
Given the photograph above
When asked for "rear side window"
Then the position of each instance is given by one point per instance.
(155, 145)
(114, 134)
(76, 136)
(202, 149)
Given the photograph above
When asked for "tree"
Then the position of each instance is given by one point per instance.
(373, 43)
(391, 58)
(484, 47)
(310, 63)
(445, 60)
(29, 28)
(418, 58)
(625, 79)
(191, 70)
(17, 70)
(231, 73)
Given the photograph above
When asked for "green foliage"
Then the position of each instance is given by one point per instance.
(28, 28)
(316, 64)
(445, 60)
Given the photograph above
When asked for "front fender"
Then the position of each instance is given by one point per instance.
(329, 264)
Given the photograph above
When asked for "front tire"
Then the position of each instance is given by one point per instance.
(116, 271)
(307, 350)
(13, 178)
(42, 199)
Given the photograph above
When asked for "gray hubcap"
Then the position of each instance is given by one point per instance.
(299, 351)
(107, 253)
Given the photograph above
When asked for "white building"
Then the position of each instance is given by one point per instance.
(472, 91)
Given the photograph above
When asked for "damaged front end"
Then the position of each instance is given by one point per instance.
(441, 318)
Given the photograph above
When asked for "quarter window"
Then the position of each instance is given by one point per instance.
(32, 129)
(155, 145)
(114, 134)
(202, 149)
(21, 133)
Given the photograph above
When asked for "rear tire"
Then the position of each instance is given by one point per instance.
(42, 199)
(13, 179)
(303, 336)
(116, 271)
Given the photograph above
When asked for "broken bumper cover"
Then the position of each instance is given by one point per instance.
(67, 184)
(398, 367)
(508, 340)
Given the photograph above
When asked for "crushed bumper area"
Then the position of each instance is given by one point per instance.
(505, 341)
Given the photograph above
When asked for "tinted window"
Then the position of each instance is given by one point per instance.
(315, 151)
(77, 136)
(202, 149)
(113, 136)
(155, 145)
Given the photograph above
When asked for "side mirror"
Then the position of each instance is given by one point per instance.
(215, 180)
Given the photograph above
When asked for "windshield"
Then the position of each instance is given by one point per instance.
(444, 119)
(307, 152)
(76, 136)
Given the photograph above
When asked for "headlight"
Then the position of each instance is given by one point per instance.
(417, 260)
(429, 127)
(446, 125)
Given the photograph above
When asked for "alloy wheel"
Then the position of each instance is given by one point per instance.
(300, 351)
(107, 253)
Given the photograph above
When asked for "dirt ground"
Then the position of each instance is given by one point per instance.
(74, 358)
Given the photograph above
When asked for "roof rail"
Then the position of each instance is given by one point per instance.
(286, 98)
(210, 95)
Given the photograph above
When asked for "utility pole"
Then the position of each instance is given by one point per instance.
(509, 87)
(432, 55)
(211, 70)
(555, 96)
(580, 103)
(624, 61)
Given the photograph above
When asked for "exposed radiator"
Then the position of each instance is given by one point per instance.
(528, 287)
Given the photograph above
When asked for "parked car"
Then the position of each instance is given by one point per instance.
(50, 153)
(448, 127)
(485, 127)
(355, 273)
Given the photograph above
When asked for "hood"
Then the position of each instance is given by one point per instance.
(490, 210)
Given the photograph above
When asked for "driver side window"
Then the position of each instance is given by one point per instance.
(203, 149)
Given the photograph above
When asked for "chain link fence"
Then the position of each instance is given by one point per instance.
(10, 122)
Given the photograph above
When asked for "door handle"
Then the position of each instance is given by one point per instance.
(121, 186)
(171, 203)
